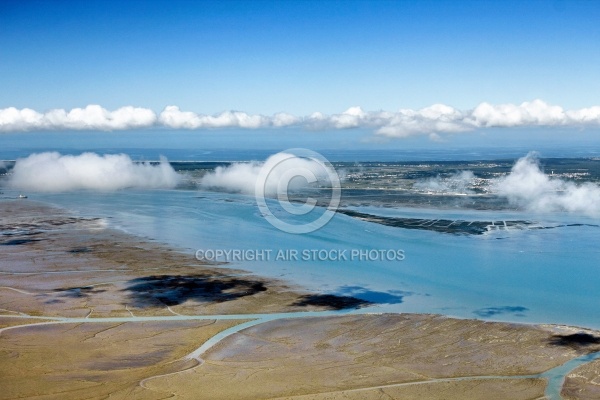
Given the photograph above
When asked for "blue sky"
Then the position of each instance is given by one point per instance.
(299, 57)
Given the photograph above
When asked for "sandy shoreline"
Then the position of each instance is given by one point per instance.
(57, 265)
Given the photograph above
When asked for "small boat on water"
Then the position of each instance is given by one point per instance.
(22, 196)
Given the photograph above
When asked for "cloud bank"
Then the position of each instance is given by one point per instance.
(433, 120)
(527, 186)
(174, 118)
(242, 177)
(92, 117)
(53, 172)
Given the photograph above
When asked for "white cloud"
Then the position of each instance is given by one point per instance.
(433, 121)
(237, 178)
(172, 117)
(53, 172)
(585, 115)
(457, 183)
(92, 117)
(281, 167)
(284, 119)
(532, 113)
(527, 186)
(442, 119)
(351, 118)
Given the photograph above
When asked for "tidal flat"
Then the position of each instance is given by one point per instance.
(87, 311)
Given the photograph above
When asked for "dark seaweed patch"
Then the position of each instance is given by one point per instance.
(18, 242)
(79, 292)
(172, 290)
(330, 301)
(575, 340)
(77, 250)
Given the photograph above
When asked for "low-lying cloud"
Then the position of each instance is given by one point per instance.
(53, 172)
(276, 170)
(457, 183)
(433, 120)
(527, 186)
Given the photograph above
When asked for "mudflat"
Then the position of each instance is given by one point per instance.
(91, 312)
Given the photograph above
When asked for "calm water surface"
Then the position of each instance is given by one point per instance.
(532, 275)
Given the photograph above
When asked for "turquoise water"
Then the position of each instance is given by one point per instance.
(556, 376)
(532, 275)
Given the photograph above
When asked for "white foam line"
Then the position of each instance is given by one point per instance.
(127, 308)
(172, 312)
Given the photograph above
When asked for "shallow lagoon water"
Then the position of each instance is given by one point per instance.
(530, 275)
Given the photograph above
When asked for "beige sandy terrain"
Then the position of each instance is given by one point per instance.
(76, 361)
(497, 389)
(289, 358)
(583, 383)
(7, 322)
